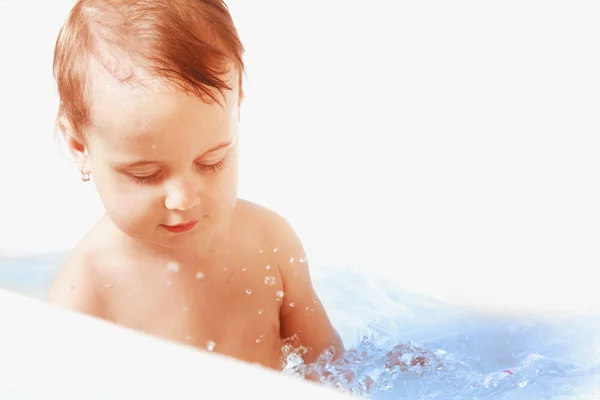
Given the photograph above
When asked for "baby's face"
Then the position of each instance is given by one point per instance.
(161, 159)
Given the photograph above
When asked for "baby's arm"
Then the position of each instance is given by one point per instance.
(302, 313)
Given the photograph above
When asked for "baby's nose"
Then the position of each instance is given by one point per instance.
(182, 197)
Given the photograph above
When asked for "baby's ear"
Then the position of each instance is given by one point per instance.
(75, 144)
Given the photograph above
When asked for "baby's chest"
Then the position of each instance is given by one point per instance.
(236, 314)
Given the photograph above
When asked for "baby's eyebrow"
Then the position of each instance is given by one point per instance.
(219, 146)
(143, 163)
(135, 164)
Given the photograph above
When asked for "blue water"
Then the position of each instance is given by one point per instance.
(403, 345)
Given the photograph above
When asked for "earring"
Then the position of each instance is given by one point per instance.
(85, 176)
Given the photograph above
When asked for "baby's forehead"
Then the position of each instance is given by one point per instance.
(144, 101)
(131, 117)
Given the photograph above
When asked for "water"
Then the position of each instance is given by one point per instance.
(403, 345)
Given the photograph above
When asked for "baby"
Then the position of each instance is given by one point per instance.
(150, 94)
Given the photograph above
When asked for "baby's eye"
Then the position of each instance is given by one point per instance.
(214, 167)
(145, 179)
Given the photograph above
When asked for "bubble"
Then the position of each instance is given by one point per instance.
(270, 280)
(279, 293)
(275, 250)
(302, 260)
(268, 267)
(260, 311)
(188, 338)
(292, 260)
(172, 266)
(109, 285)
(292, 304)
(199, 275)
(248, 291)
(210, 345)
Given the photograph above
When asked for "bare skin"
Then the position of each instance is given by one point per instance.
(240, 299)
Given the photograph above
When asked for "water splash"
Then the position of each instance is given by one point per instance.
(210, 345)
(402, 345)
(269, 280)
(173, 266)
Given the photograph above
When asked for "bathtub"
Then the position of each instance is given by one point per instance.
(440, 350)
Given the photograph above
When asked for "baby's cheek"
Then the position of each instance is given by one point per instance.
(134, 216)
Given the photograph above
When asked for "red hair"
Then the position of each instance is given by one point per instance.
(189, 44)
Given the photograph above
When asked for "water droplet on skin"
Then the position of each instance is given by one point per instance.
(188, 338)
(243, 269)
(168, 283)
(275, 250)
(270, 280)
(248, 291)
(260, 311)
(225, 269)
(292, 260)
(268, 267)
(306, 309)
(210, 345)
(260, 251)
(199, 275)
(302, 260)
(173, 266)
(279, 293)
(292, 304)
(153, 146)
(108, 286)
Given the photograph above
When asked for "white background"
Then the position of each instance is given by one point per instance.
(450, 146)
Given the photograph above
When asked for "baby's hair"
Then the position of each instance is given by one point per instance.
(188, 44)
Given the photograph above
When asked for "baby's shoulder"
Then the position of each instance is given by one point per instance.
(78, 283)
(261, 225)
(267, 231)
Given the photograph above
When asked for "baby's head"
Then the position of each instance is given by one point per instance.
(149, 105)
